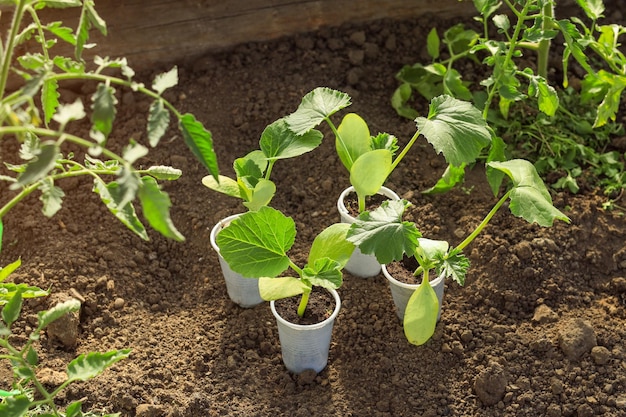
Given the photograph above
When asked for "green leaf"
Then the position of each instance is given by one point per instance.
(56, 312)
(324, 272)
(455, 128)
(332, 243)
(39, 167)
(226, 185)
(103, 105)
(158, 121)
(450, 178)
(315, 107)
(49, 98)
(16, 406)
(369, 172)
(162, 172)
(51, 197)
(87, 366)
(279, 142)
(256, 243)
(530, 198)
(279, 288)
(200, 142)
(353, 139)
(433, 43)
(11, 310)
(166, 80)
(420, 316)
(156, 208)
(383, 233)
(8, 270)
(110, 195)
(262, 194)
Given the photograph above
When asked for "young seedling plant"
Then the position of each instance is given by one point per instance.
(256, 245)
(252, 183)
(383, 233)
(453, 127)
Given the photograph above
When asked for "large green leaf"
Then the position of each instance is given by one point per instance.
(156, 208)
(353, 139)
(39, 167)
(279, 142)
(87, 366)
(279, 288)
(332, 243)
(369, 172)
(420, 316)
(383, 233)
(530, 198)
(256, 243)
(455, 128)
(315, 107)
(199, 141)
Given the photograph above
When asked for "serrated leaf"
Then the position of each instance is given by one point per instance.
(163, 172)
(200, 142)
(87, 366)
(332, 243)
(56, 312)
(51, 197)
(103, 105)
(530, 198)
(279, 288)
(8, 270)
(324, 272)
(382, 232)
(420, 316)
(316, 106)
(158, 122)
(156, 208)
(455, 128)
(279, 142)
(49, 98)
(353, 139)
(110, 195)
(11, 310)
(166, 80)
(39, 167)
(15, 406)
(256, 243)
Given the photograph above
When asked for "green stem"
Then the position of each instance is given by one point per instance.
(7, 57)
(303, 303)
(485, 221)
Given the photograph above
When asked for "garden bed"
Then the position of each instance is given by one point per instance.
(501, 348)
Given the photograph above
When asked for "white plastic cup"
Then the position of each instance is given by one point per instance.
(241, 290)
(360, 264)
(306, 346)
(401, 292)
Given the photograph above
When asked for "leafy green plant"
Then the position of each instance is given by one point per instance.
(383, 233)
(453, 127)
(32, 114)
(256, 245)
(509, 84)
(252, 183)
(24, 360)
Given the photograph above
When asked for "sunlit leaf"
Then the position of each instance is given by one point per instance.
(156, 208)
(256, 243)
(455, 128)
(315, 107)
(87, 366)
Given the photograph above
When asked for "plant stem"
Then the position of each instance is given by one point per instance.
(485, 221)
(303, 303)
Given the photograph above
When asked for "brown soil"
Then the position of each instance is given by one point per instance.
(509, 343)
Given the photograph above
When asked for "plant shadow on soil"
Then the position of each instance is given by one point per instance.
(496, 352)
